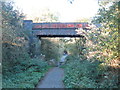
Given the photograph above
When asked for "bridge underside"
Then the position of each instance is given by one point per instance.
(60, 36)
(56, 33)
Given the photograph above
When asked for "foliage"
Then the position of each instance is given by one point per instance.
(51, 49)
(25, 75)
(86, 74)
(100, 67)
(19, 69)
(108, 37)
(83, 20)
(47, 16)
(13, 42)
(75, 46)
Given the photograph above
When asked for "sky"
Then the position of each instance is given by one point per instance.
(67, 12)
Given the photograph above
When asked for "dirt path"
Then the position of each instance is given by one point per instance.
(53, 79)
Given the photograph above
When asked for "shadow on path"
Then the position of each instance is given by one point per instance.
(53, 79)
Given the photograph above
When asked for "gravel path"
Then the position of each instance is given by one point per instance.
(53, 79)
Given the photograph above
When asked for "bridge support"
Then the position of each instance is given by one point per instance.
(34, 41)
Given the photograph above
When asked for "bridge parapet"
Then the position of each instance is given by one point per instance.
(59, 25)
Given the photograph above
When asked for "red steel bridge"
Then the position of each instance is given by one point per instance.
(55, 29)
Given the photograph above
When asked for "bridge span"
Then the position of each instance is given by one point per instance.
(55, 29)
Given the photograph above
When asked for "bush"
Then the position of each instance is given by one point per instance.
(26, 75)
(86, 74)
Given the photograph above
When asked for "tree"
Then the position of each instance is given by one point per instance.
(108, 39)
(14, 38)
(11, 31)
(83, 20)
(47, 16)
(51, 48)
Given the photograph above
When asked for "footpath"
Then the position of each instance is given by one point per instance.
(53, 79)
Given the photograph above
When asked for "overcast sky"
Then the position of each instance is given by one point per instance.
(67, 12)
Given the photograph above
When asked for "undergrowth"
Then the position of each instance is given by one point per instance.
(86, 74)
(25, 75)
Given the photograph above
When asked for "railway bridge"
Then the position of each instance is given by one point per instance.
(55, 29)
(50, 29)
